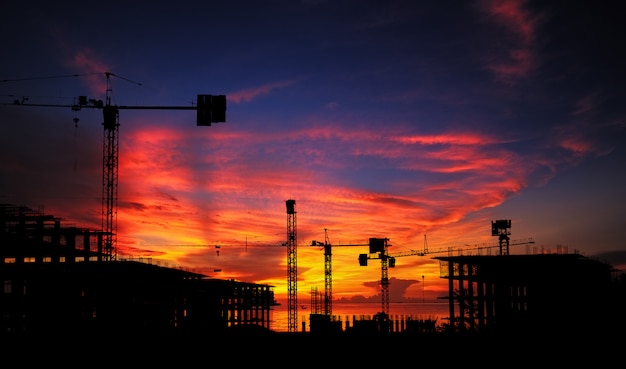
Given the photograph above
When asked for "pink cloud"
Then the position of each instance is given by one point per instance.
(252, 93)
(521, 24)
(87, 62)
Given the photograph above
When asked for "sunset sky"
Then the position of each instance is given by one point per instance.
(416, 121)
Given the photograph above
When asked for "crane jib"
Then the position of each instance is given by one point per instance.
(209, 108)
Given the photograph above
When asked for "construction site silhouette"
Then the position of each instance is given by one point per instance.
(57, 281)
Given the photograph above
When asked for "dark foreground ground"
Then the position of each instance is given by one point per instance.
(281, 349)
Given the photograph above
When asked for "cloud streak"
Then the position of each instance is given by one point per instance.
(400, 120)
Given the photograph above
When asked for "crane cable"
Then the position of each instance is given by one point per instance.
(48, 77)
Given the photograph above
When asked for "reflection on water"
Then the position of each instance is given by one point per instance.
(346, 311)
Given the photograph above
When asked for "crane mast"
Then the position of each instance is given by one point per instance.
(384, 283)
(292, 267)
(328, 275)
(110, 157)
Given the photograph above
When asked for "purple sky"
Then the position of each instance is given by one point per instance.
(394, 119)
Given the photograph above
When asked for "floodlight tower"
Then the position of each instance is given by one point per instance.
(292, 266)
(502, 229)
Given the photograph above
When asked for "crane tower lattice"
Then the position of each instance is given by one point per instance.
(292, 267)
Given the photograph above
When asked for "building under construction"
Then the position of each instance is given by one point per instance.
(541, 295)
(559, 294)
(57, 279)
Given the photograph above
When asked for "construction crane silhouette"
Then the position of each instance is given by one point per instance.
(209, 108)
(379, 250)
(328, 273)
(501, 228)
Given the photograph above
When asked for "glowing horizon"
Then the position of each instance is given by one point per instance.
(398, 121)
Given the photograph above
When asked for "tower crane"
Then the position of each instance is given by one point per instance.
(328, 273)
(501, 228)
(209, 109)
(378, 250)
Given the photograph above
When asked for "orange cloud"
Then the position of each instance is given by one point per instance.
(182, 198)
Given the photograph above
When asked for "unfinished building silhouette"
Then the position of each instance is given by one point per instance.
(555, 294)
(58, 279)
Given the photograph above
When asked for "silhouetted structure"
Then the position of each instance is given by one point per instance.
(555, 294)
(543, 296)
(57, 279)
(292, 265)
